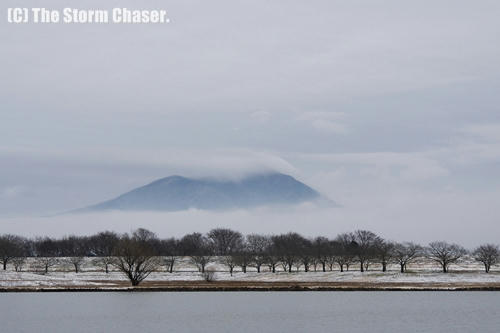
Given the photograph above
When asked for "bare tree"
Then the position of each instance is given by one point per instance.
(76, 262)
(138, 254)
(102, 243)
(231, 262)
(305, 253)
(287, 248)
(242, 257)
(225, 241)
(47, 251)
(190, 243)
(169, 248)
(445, 253)
(384, 251)
(199, 249)
(10, 247)
(314, 263)
(18, 263)
(76, 248)
(238, 255)
(343, 251)
(102, 246)
(201, 260)
(404, 253)
(258, 246)
(135, 257)
(488, 254)
(144, 236)
(47, 262)
(364, 244)
(272, 257)
(322, 251)
(332, 260)
(106, 262)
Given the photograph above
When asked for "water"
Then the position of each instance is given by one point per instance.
(251, 312)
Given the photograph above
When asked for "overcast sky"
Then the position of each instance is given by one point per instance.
(390, 108)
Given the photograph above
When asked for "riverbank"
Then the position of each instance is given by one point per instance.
(261, 287)
(252, 281)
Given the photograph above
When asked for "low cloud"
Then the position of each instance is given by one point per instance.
(486, 132)
(325, 121)
(220, 163)
(261, 116)
(404, 166)
(398, 215)
(11, 192)
(61, 181)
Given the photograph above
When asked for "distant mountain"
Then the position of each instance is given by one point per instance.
(176, 193)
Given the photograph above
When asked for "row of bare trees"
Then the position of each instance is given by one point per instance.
(142, 252)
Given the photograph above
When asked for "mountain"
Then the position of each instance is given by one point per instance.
(180, 193)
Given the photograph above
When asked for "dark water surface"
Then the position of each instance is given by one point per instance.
(251, 312)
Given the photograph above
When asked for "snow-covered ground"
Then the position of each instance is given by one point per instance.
(467, 272)
(54, 279)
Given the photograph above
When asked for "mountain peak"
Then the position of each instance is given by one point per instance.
(174, 193)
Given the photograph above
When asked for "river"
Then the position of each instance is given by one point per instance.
(250, 312)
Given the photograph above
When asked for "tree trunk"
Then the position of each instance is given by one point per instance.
(324, 266)
(107, 269)
(231, 271)
(4, 265)
(341, 267)
(361, 266)
(444, 269)
(274, 268)
(402, 267)
(384, 267)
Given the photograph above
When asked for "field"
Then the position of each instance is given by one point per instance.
(423, 275)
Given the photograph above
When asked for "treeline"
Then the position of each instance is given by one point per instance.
(139, 253)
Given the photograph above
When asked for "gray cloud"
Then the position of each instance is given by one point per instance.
(388, 107)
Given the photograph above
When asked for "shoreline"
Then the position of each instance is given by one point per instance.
(248, 286)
